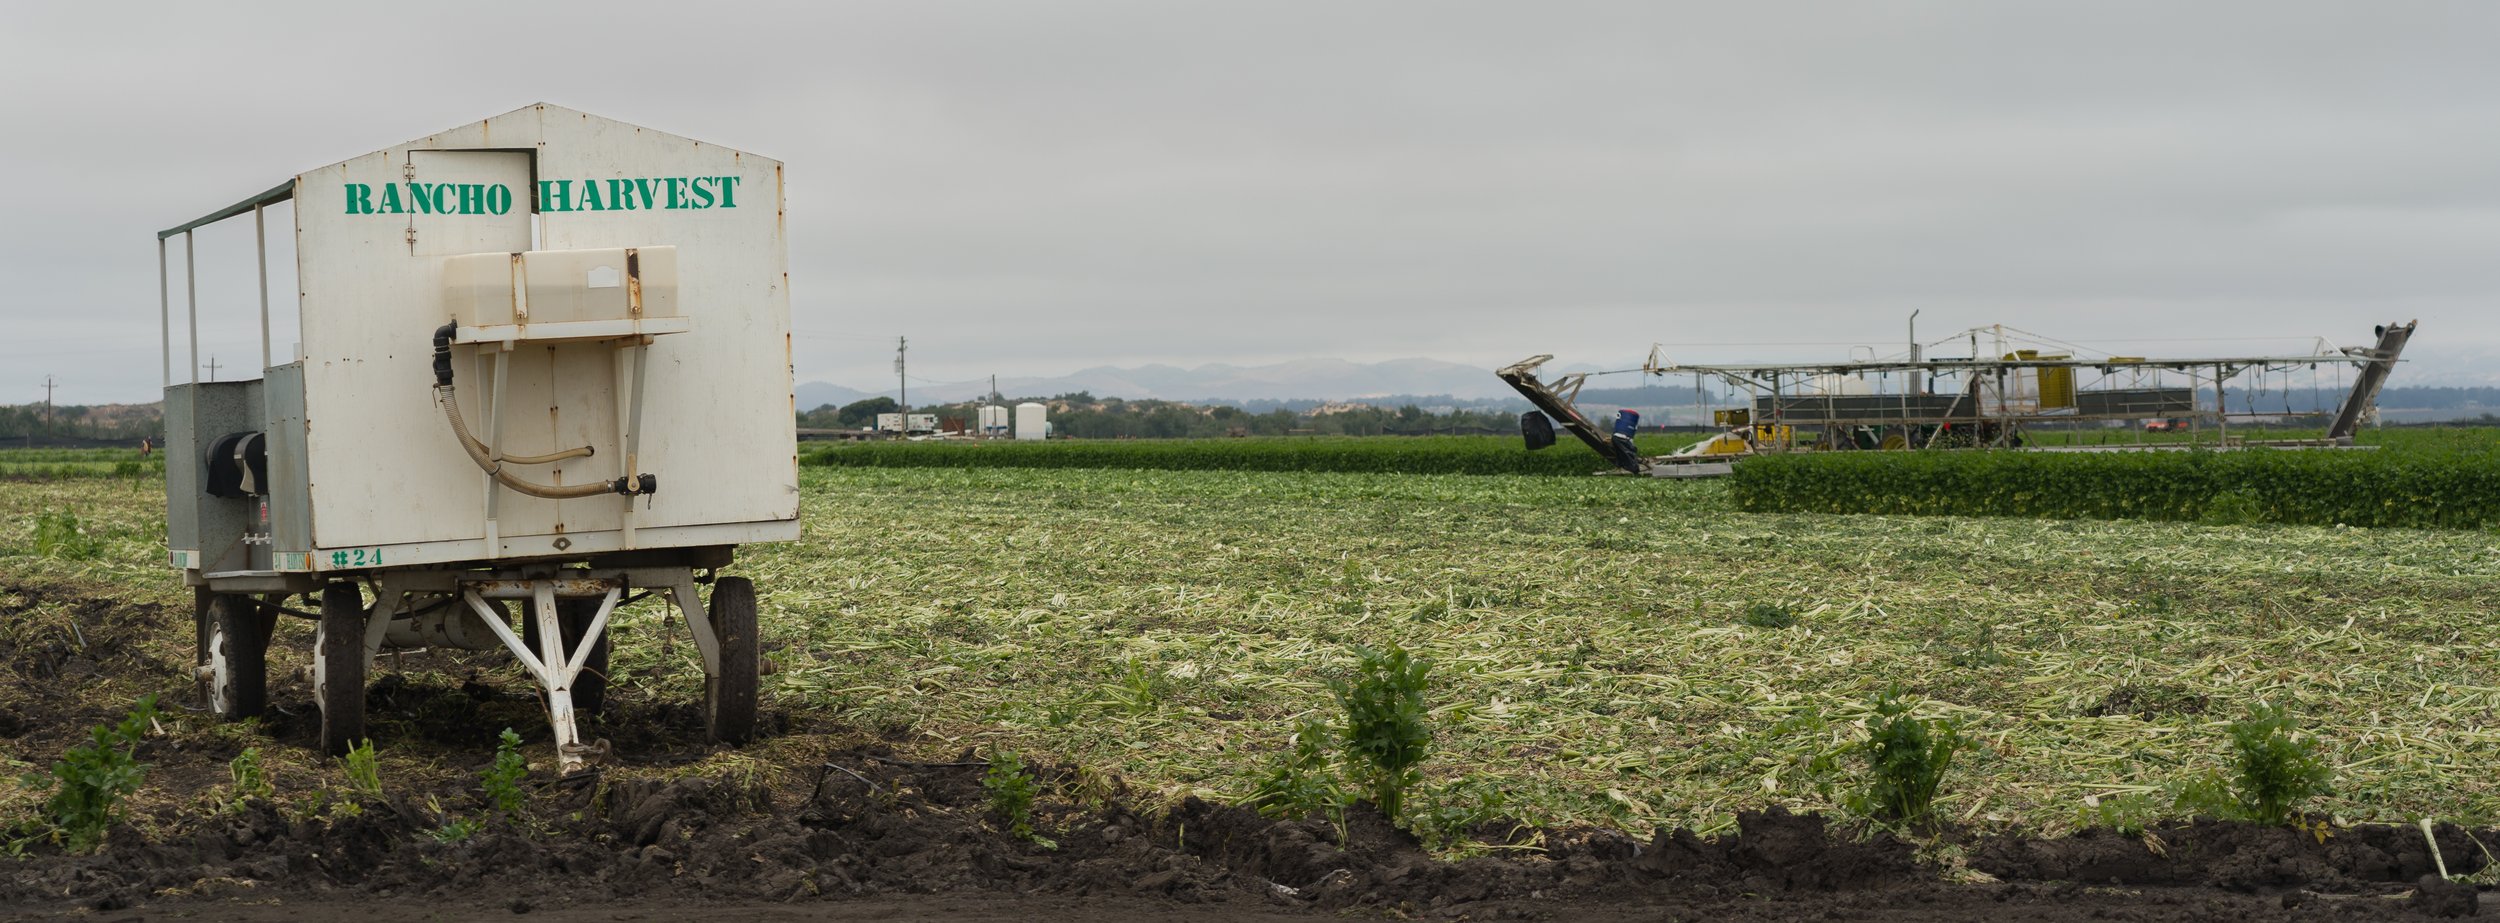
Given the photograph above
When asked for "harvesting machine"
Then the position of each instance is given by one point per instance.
(1992, 398)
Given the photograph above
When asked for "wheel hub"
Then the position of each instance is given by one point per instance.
(220, 673)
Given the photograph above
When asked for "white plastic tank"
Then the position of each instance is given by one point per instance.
(993, 420)
(1032, 420)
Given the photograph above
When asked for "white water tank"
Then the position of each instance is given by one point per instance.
(993, 420)
(1032, 420)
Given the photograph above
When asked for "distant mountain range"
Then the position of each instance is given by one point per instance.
(1432, 383)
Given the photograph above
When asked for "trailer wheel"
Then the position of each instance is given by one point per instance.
(339, 668)
(238, 657)
(729, 692)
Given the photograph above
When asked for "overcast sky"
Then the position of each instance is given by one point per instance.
(1028, 188)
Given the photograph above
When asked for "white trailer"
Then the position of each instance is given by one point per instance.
(545, 360)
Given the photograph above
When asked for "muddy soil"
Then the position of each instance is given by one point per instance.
(858, 827)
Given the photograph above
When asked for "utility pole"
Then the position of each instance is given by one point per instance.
(47, 410)
(212, 366)
(902, 383)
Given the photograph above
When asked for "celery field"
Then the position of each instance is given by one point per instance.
(1594, 662)
(1593, 657)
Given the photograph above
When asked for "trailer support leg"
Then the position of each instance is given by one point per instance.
(387, 596)
(554, 667)
(698, 622)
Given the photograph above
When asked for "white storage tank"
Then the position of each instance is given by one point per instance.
(993, 420)
(1032, 420)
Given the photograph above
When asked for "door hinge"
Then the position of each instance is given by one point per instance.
(408, 171)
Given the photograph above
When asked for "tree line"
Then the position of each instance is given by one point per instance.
(1081, 415)
(105, 423)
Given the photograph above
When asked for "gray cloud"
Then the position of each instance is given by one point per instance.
(1030, 188)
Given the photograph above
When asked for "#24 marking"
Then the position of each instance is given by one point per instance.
(356, 557)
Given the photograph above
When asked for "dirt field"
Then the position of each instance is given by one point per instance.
(825, 821)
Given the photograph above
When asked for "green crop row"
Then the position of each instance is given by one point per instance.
(12, 455)
(2448, 490)
(1375, 454)
(16, 469)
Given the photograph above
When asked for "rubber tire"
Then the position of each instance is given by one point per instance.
(238, 653)
(729, 692)
(339, 668)
(573, 616)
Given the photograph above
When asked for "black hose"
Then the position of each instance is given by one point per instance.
(442, 354)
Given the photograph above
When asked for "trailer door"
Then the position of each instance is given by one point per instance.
(467, 202)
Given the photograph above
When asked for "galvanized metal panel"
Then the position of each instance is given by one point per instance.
(290, 491)
(384, 471)
(182, 479)
(218, 523)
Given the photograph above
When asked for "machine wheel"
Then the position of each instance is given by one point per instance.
(729, 692)
(339, 668)
(573, 616)
(238, 657)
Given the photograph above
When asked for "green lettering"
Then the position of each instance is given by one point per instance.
(498, 199)
(644, 186)
(676, 191)
(418, 201)
(472, 199)
(702, 193)
(390, 200)
(728, 191)
(554, 195)
(441, 207)
(590, 196)
(359, 199)
(621, 194)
